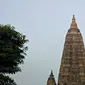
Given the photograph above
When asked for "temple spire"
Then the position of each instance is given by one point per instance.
(51, 79)
(73, 24)
(72, 68)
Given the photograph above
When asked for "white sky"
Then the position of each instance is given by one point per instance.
(45, 23)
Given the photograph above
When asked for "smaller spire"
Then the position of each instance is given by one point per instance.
(51, 79)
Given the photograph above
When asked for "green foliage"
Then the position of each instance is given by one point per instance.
(12, 49)
(6, 80)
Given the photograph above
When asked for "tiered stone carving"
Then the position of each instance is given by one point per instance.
(72, 68)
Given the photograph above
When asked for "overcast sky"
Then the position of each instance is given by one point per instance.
(45, 23)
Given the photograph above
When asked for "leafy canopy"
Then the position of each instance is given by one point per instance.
(12, 49)
(6, 80)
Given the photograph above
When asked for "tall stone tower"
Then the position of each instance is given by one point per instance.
(72, 68)
(51, 79)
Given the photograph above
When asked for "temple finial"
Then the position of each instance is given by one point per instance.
(73, 18)
(51, 72)
(73, 24)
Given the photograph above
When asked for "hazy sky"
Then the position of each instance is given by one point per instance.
(45, 23)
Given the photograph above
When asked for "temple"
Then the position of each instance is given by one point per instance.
(72, 67)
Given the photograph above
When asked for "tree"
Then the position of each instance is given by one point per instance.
(6, 80)
(12, 49)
